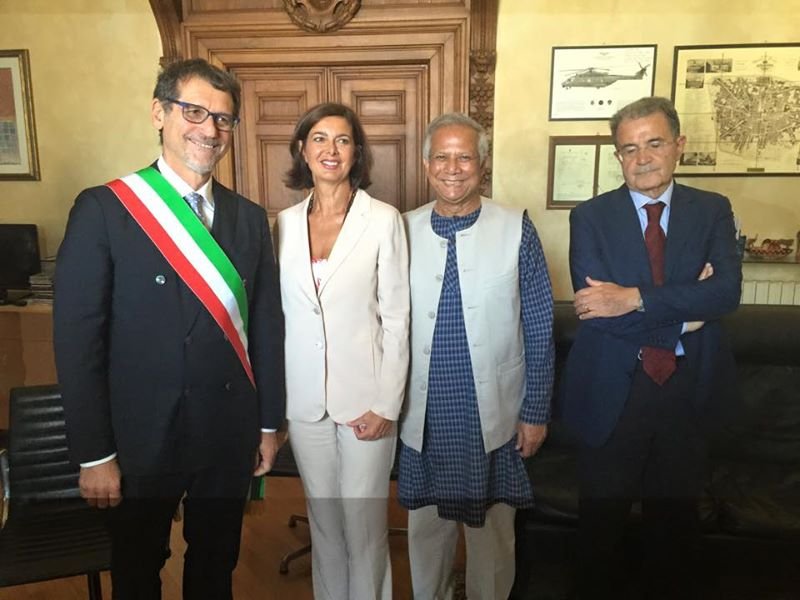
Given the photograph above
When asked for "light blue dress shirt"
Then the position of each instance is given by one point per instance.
(639, 200)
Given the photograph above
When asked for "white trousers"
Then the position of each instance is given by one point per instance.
(490, 554)
(346, 482)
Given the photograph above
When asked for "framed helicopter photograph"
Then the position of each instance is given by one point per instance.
(589, 83)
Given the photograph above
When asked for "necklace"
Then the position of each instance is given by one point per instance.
(346, 210)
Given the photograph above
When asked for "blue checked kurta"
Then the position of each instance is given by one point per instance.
(453, 471)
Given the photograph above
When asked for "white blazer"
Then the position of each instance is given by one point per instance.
(346, 345)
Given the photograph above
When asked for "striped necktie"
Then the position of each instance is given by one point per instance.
(195, 202)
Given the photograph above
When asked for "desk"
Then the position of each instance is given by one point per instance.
(26, 350)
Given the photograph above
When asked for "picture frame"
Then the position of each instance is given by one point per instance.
(580, 168)
(738, 105)
(19, 154)
(593, 82)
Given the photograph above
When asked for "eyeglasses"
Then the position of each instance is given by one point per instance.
(197, 114)
(657, 147)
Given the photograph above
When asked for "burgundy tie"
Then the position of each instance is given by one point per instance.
(658, 363)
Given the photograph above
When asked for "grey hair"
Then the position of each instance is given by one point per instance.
(644, 107)
(455, 118)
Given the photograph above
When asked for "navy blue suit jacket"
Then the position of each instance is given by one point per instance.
(606, 243)
(143, 368)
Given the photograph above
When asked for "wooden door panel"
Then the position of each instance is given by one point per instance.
(273, 160)
(392, 102)
(388, 175)
(273, 99)
(396, 75)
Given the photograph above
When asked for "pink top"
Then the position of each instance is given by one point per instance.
(318, 266)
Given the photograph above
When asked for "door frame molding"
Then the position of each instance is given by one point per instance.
(180, 39)
(440, 45)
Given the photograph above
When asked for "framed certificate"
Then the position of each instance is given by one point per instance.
(579, 168)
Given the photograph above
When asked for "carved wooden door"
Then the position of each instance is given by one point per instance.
(391, 100)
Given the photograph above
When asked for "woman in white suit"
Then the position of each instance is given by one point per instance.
(344, 284)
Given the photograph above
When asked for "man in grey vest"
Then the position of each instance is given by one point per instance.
(481, 369)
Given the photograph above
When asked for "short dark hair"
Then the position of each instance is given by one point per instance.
(298, 177)
(644, 107)
(178, 72)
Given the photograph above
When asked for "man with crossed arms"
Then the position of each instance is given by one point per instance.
(168, 340)
(654, 268)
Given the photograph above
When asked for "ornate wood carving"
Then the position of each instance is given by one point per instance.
(168, 20)
(321, 16)
(482, 61)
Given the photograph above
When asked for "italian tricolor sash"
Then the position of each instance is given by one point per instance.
(189, 248)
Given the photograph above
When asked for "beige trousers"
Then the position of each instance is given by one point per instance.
(346, 483)
(490, 554)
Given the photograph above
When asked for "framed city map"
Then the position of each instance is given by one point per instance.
(739, 107)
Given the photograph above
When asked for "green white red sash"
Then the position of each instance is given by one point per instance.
(189, 248)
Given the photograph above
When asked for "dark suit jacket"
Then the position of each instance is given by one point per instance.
(143, 368)
(606, 243)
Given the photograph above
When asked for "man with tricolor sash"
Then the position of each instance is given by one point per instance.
(169, 344)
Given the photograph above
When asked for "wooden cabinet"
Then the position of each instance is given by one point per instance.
(26, 350)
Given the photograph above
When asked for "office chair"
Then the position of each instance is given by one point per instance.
(285, 466)
(48, 531)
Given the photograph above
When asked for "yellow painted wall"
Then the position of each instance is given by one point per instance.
(94, 64)
(528, 29)
(93, 68)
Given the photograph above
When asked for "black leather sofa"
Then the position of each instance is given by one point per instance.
(751, 505)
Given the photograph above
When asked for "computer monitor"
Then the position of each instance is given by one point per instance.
(19, 255)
